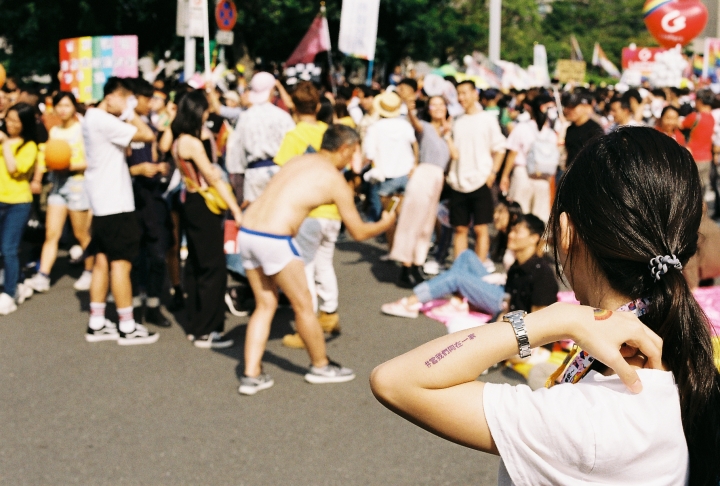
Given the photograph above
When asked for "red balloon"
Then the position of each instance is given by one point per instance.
(674, 22)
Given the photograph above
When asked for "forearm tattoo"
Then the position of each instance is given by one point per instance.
(442, 354)
(602, 314)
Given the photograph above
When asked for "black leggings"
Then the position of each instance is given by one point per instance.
(205, 273)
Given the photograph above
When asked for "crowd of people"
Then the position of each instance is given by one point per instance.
(159, 173)
(259, 182)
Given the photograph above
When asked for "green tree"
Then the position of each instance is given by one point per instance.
(38, 26)
(612, 23)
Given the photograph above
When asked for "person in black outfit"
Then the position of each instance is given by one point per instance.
(149, 183)
(577, 108)
(205, 273)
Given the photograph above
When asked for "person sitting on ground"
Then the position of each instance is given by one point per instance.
(639, 401)
(504, 217)
(530, 284)
(271, 259)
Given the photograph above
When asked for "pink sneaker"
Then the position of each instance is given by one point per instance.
(401, 308)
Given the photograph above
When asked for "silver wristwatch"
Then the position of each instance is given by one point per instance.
(517, 321)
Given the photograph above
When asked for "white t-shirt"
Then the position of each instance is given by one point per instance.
(476, 137)
(591, 433)
(388, 143)
(107, 177)
(521, 139)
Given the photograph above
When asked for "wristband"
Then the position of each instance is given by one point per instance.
(517, 321)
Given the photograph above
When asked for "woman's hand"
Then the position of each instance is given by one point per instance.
(35, 187)
(615, 337)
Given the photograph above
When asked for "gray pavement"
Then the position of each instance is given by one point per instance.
(169, 413)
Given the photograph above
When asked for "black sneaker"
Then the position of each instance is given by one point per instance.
(214, 340)
(139, 335)
(250, 386)
(331, 373)
(108, 332)
(153, 315)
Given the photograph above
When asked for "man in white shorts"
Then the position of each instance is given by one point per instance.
(272, 259)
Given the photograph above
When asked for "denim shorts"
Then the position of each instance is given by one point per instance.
(68, 190)
(392, 186)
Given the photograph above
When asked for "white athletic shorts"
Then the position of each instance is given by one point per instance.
(266, 250)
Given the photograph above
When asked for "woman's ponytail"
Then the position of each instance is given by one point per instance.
(675, 315)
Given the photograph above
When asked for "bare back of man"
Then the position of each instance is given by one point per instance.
(271, 259)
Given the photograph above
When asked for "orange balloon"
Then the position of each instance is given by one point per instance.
(3, 75)
(57, 154)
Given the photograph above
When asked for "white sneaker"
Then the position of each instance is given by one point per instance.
(431, 267)
(24, 292)
(38, 282)
(83, 283)
(489, 265)
(401, 308)
(7, 304)
(76, 254)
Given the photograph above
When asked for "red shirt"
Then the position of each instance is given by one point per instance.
(678, 135)
(700, 143)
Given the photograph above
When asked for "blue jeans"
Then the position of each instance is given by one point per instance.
(13, 220)
(388, 187)
(465, 276)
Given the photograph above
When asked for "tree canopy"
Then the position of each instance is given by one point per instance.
(424, 30)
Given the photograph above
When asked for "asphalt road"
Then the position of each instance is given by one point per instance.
(169, 413)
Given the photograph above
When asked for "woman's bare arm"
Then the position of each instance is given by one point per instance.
(435, 387)
(194, 150)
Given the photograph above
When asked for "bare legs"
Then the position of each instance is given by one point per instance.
(293, 282)
(482, 240)
(116, 275)
(54, 223)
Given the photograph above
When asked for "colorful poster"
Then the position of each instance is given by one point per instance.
(87, 62)
(358, 28)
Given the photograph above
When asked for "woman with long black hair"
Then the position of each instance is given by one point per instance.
(639, 401)
(68, 197)
(17, 159)
(205, 274)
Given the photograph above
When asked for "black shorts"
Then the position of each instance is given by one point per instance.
(478, 204)
(117, 236)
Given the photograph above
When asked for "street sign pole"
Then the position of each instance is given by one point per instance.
(495, 17)
(206, 39)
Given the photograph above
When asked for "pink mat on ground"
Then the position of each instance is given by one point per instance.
(427, 309)
(707, 297)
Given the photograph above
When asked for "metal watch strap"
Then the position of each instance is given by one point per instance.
(517, 321)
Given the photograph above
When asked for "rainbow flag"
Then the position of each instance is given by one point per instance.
(87, 62)
(652, 5)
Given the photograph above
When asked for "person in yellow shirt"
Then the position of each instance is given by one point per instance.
(17, 158)
(67, 198)
(319, 231)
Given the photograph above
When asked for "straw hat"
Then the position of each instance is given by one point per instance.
(387, 104)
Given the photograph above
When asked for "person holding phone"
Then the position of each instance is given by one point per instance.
(417, 220)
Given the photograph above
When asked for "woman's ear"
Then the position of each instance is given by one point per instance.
(566, 233)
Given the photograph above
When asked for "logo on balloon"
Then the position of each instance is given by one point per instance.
(674, 22)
